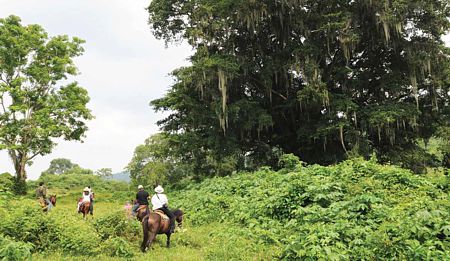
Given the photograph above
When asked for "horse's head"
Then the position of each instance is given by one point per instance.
(178, 217)
(53, 199)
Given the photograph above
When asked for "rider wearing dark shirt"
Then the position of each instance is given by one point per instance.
(142, 197)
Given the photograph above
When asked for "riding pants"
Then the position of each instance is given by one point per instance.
(171, 216)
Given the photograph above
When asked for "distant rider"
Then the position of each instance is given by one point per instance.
(160, 202)
(41, 195)
(141, 199)
(86, 197)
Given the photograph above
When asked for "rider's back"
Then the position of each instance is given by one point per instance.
(142, 197)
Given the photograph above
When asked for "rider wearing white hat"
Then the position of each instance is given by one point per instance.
(160, 202)
(85, 197)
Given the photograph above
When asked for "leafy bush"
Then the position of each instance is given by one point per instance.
(117, 247)
(79, 181)
(12, 250)
(356, 209)
(117, 225)
(24, 221)
(289, 162)
(6, 182)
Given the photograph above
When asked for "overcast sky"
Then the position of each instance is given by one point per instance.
(123, 68)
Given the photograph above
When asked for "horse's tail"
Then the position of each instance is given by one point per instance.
(145, 230)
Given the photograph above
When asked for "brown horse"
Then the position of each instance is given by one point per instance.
(53, 200)
(84, 208)
(154, 224)
(48, 206)
(142, 211)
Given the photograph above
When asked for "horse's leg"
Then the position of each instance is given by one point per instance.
(151, 238)
(145, 232)
(168, 239)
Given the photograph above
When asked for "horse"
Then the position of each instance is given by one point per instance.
(84, 208)
(142, 211)
(153, 224)
(52, 199)
(48, 204)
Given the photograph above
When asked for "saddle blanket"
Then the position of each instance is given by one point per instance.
(161, 213)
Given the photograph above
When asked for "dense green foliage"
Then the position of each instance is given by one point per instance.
(71, 181)
(155, 163)
(62, 235)
(60, 166)
(104, 172)
(11, 250)
(6, 182)
(35, 107)
(324, 80)
(355, 210)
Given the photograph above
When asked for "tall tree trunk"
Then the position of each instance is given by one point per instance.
(19, 160)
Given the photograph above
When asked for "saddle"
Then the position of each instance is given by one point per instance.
(161, 213)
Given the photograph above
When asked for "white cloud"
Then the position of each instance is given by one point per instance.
(124, 67)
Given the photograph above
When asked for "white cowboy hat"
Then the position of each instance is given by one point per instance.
(140, 187)
(86, 189)
(159, 189)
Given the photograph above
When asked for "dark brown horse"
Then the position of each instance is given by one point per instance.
(84, 208)
(154, 224)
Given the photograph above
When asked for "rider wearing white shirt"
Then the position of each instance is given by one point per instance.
(160, 202)
(85, 197)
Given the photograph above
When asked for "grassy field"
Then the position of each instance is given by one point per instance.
(215, 241)
(356, 210)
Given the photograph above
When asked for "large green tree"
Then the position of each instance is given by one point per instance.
(157, 161)
(321, 79)
(104, 172)
(60, 166)
(37, 104)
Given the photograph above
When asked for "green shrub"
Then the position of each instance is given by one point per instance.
(6, 182)
(289, 162)
(356, 209)
(25, 221)
(117, 247)
(117, 225)
(78, 239)
(67, 182)
(11, 250)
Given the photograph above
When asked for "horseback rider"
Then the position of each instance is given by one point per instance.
(41, 195)
(141, 199)
(160, 202)
(86, 197)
